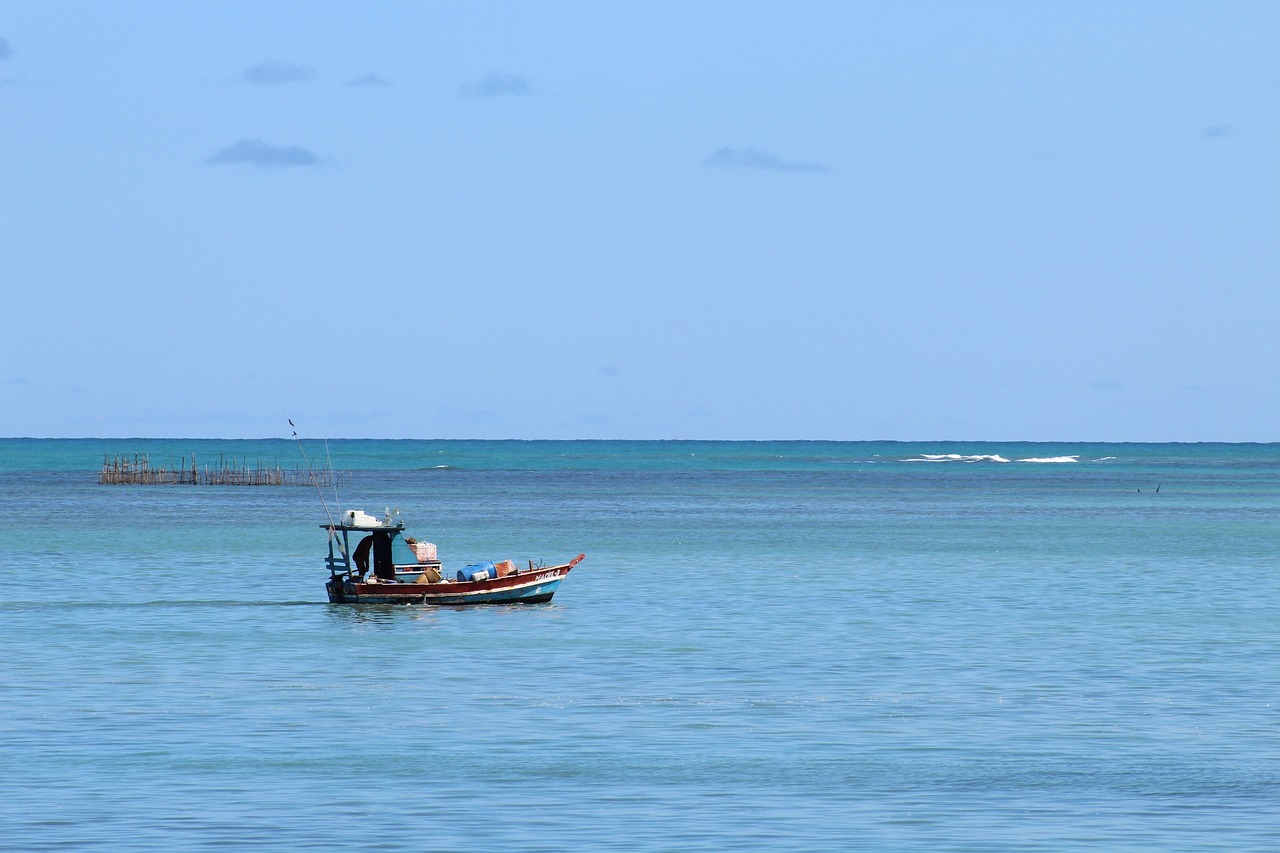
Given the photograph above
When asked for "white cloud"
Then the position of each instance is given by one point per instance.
(749, 158)
(497, 85)
(255, 152)
(367, 81)
(273, 72)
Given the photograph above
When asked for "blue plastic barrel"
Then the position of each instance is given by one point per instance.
(469, 572)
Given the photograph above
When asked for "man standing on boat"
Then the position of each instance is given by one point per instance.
(383, 567)
(361, 555)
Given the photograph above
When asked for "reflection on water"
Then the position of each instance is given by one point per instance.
(377, 614)
(395, 614)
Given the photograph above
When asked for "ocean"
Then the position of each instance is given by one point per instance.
(770, 646)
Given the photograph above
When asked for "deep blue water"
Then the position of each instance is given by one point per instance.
(770, 646)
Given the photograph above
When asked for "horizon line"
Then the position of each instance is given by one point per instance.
(690, 440)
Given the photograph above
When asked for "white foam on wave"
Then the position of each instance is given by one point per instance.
(1052, 460)
(956, 457)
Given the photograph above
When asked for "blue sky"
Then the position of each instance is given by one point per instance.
(854, 220)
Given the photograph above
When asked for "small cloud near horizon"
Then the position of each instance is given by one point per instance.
(496, 85)
(367, 81)
(274, 71)
(6, 52)
(255, 152)
(749, 158)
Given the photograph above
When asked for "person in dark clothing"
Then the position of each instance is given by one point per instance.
(383, 567)
(361, 555)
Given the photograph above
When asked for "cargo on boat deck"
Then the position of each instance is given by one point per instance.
(431, 575)
(371, 561)
(475, 572)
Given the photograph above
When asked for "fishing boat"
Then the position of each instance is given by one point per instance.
(371, 561)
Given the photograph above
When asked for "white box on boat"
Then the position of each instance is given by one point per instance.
(360, 518)
(425, 552)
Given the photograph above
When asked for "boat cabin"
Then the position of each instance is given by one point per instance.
(361, 544)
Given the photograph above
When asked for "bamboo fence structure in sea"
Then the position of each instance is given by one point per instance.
(136, 470)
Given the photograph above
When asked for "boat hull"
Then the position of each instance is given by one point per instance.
(535, 586)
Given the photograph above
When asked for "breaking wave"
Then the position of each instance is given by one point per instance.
(989, 457)
(955, 457)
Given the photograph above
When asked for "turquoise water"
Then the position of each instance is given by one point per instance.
(770, 646)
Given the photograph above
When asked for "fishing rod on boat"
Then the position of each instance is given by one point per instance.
(314, 480)
(333, 478)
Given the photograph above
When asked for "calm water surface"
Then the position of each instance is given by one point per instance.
(770, 646)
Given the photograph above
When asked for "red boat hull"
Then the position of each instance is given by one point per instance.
(528, 586)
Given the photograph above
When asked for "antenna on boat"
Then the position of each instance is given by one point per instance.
(323, 503)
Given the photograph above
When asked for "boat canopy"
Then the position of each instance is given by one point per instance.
(358, 536)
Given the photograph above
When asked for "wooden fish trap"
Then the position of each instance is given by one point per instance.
(137, 470)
